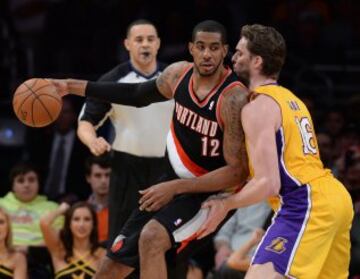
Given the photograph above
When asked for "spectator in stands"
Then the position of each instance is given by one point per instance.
(326, 152)
(352, 180)
(239, 261)
(334, 124)
(59, 155)
(75, 249)
(236, 240)
(25, 206)
(12, 263)
(97, 172)
(349, 149)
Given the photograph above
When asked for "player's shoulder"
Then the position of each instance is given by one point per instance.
(260, 108)
(176, 70)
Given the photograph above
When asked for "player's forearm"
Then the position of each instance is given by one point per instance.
(86, 132)
(130, 94)
(77, 86)
(217, 180)
(255, 191)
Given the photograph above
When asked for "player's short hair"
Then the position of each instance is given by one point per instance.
(139, 22)
(103, 161)
(210, 26)
(268, 43)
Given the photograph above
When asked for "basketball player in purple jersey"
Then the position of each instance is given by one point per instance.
(310, 233)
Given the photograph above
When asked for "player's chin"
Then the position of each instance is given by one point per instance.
(207, 70)
(206, 73)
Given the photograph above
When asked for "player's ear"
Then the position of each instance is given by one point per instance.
(226, 50)
(158, 43)
(191, 46)
(127, 44)
(258, 61)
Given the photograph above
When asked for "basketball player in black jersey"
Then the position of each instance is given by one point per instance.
(205, 147)
(137, 161)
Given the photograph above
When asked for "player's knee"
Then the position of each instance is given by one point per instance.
(155, 237)
(107, 269)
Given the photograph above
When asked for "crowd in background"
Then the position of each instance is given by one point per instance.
(37, 39)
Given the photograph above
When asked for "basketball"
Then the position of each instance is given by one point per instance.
(36, 102)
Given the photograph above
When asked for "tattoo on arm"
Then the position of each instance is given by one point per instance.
(169, 77)
(234, 138)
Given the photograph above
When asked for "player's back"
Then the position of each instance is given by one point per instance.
(299, 159)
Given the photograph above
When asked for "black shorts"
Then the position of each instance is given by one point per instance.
(182, 218)
(129, 175)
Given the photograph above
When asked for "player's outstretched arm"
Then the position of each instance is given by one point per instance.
(131, 94)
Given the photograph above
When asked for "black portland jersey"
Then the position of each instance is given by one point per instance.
(195, 140)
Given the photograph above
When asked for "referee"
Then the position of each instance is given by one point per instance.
(140, 133)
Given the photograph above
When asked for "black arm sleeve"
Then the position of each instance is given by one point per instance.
(130, 94)
(94, 111)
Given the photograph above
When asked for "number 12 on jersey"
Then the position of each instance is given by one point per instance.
(210, 147)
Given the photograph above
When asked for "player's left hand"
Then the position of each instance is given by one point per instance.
(155, 197)
(217, 213)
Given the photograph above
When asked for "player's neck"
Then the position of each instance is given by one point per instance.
(145, 70)
(260, 81)
(208, 81)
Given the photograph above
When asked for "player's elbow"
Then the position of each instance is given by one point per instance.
(273, 187)
(270, 186)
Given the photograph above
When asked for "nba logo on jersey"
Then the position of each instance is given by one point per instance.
(211, 105)
(178, 222)
(277, 245)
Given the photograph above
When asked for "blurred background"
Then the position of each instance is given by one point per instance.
(83, 39)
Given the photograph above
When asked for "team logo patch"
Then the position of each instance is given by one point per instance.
(178, 222)
(118, 243)
(277, 245)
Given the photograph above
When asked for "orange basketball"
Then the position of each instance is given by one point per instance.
(36, 102)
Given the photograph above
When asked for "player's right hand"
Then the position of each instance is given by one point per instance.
(99, 146)
(61, 86)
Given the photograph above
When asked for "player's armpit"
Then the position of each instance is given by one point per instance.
(234, 139)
